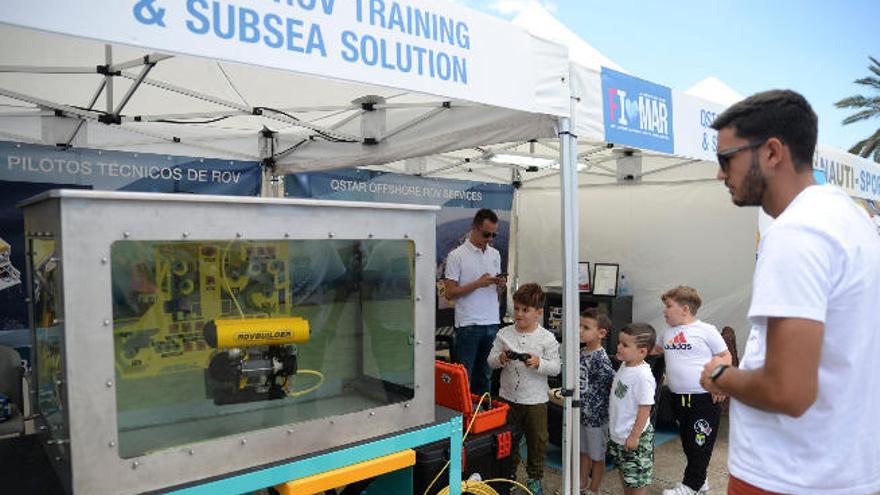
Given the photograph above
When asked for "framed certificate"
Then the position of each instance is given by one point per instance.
(584, 278)
(605, 279)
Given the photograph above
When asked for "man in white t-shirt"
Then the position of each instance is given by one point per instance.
(473, 279)
(688, 344)
(806, 396)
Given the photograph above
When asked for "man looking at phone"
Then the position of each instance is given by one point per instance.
(473, 279)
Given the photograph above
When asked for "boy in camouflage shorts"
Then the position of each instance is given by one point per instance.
(636, 466)
(632, 395)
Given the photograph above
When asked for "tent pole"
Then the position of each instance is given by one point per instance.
(108, 78)
(271, 185)
(570, 310)
(83, 121)
(513, 282)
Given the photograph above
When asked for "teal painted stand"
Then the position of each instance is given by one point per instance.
(258, 480)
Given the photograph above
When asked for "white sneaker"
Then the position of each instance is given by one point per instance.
(679, 489)
(682, 489)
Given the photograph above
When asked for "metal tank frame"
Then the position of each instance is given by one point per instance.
(86, 223)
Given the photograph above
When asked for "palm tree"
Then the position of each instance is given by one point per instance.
(870, 108)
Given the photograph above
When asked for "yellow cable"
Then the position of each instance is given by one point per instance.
(310, 389)
(475, 487)
(483, 487)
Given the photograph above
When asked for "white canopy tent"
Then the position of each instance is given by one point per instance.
(143, 87)
(670, 223)
(662, 216)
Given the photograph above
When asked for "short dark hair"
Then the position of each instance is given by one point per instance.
(531, 295)
(602, 320)
(485, 214)
(644, 334)
(779, 113)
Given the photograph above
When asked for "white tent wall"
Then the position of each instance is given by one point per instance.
(662, 235)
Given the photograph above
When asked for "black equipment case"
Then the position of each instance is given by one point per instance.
(489, 453)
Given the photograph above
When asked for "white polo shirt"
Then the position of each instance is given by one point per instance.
(465, 264)
(819, 260)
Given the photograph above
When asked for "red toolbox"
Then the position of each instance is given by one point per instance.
(452, 390)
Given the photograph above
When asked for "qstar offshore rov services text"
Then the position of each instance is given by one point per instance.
(231, 22)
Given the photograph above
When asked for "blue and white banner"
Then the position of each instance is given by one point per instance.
(858, 176)
(27, 170)
(694, 138)
(375, 186)
(637, 112)
(433, 47)
(118, 170)
(459, 201)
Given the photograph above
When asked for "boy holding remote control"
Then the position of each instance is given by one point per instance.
(528, 354)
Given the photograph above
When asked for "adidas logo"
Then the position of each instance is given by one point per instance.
(678, 343)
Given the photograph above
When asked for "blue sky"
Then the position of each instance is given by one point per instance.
(815, 47)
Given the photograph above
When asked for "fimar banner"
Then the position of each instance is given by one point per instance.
(637, 112)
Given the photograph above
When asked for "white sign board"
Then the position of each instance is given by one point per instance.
(690, 122)
(433, 47)
(859, 177)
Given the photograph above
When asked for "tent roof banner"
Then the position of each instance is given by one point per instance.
(432, 47)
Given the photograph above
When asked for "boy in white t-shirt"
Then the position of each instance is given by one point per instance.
(632, 395)
(688, 345)
(528, 354)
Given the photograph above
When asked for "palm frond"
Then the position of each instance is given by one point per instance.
(872, 146)
(855, 101)
(875, 67)
(868, 107)
(869, 81)
(867, 146)
(863, 115)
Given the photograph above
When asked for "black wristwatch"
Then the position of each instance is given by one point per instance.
(717, 371)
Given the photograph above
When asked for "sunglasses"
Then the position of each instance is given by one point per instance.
(489, 235)
(725, 156)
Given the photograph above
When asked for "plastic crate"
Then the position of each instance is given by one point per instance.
(452, 390)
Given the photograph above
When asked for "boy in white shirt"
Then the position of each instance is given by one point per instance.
(688, 345)
(632, 395)
(529, 353)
